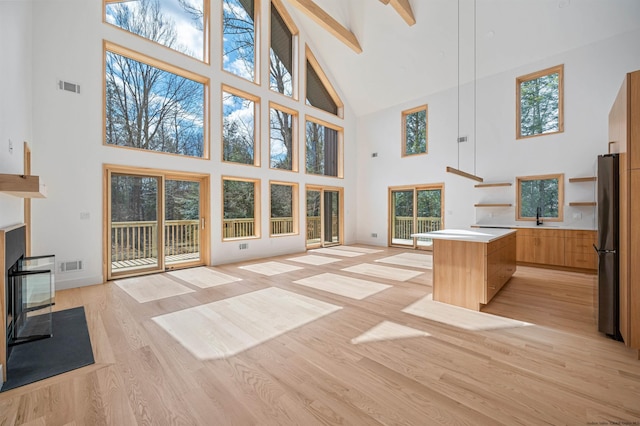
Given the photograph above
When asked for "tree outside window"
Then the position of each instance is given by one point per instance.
(540, 102)
(283, 124)
(238, 127)
(241, 201)
(149, 107)
(414, 131)
(323, 150)
(540, 196)
(284, 208)
(238, 38)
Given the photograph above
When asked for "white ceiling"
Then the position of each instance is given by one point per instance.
(400, 63)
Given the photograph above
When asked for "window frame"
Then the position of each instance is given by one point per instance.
(295, 35)
(295, 197)
(340, 130)
(294, 133)
(559, 177)
(311, 59)
(206, 20)
(559, 69)
(407, 113)
(256, 124)
(257, 191)
(108, 46)
(257, 6)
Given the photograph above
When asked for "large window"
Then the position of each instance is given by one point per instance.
(539, 102)
(239, 29)
(284, 208)
(414, 131)
(320, 93)
(239, 130)
(283, 50)
(282, 138)
(323, 148)
(241, 208)
(540, 197)
(152, 105)
(178, 24)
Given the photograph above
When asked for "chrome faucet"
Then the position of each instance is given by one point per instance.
(538, 217)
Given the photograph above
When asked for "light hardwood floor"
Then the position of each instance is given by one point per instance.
(367, 363)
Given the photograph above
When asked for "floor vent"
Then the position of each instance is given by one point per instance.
(69, 87)
(70, 266)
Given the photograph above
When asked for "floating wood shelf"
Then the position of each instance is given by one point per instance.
(487, 185)
(492, 205)
(583, 179)
(582, 203)
(22, 186)
(463, 174)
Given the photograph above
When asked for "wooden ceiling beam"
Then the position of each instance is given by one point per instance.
(325, 20)
(385, 1)
(404, 9)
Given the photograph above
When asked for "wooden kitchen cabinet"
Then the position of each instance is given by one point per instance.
(578, 250)
(540, 246)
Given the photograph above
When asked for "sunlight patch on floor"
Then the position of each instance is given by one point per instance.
(230, 326)
(414, 260)
(459, 317)
(203, 277)
(358, 249)
(353, 288)
(385, 272)
(312, 259)
(152, 287)
(388, 330)
(337, 252)
(270, 268)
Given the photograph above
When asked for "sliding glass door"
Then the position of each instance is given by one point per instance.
(155, 220)
(324, 216)
(412, 210)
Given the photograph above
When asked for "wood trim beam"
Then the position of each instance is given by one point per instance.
(404, 10)
(325, 20)
(464, 174)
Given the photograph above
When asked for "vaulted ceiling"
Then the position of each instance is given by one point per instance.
(400, 62)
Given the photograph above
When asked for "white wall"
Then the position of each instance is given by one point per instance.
(15, 98)
(68, 152)
(592, 76)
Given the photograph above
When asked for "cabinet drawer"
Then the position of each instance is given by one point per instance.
(541, 232)
(581, 260)
(579, 245)
(581, 234)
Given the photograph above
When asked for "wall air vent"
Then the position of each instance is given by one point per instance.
(69, 87)
(243, 246)
(70, 266)
(462, 139)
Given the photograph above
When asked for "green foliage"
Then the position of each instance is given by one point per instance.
(539, 105)
(416, 132)
(542, 193)
(239, 199)
(281, 142)
(281, 201)
(321, 150)
(133, 198)
(182, 200)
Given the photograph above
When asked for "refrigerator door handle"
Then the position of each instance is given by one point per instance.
(603, 251)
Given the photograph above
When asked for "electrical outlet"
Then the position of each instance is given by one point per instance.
(374, 235)
(577, 215)
(85, 216)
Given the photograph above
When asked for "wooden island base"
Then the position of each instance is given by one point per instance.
(470, 267)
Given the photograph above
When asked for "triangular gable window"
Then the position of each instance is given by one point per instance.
(320, 93)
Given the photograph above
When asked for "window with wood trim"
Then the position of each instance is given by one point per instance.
(320, 93)
(241, 208)
(282, 55)
(540, 197)
(283, 208)
(152, 105)
(181, 25)
(414, 131)
(239, 29)
(539, 103)
(283, 141)
(239, 130)
(323, 148)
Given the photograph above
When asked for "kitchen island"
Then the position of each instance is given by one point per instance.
(471, 266)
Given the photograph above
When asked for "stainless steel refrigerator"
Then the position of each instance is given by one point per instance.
(607, 246)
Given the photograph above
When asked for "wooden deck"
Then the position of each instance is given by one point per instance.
(127, 265)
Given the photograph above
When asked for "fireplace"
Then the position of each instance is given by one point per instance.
(29, 292)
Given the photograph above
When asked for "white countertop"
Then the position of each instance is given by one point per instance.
(544, 226)
(469, 235)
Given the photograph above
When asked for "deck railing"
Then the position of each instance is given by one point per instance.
(403, 226)
(238, 228)
(138, 240)
(281, 225)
